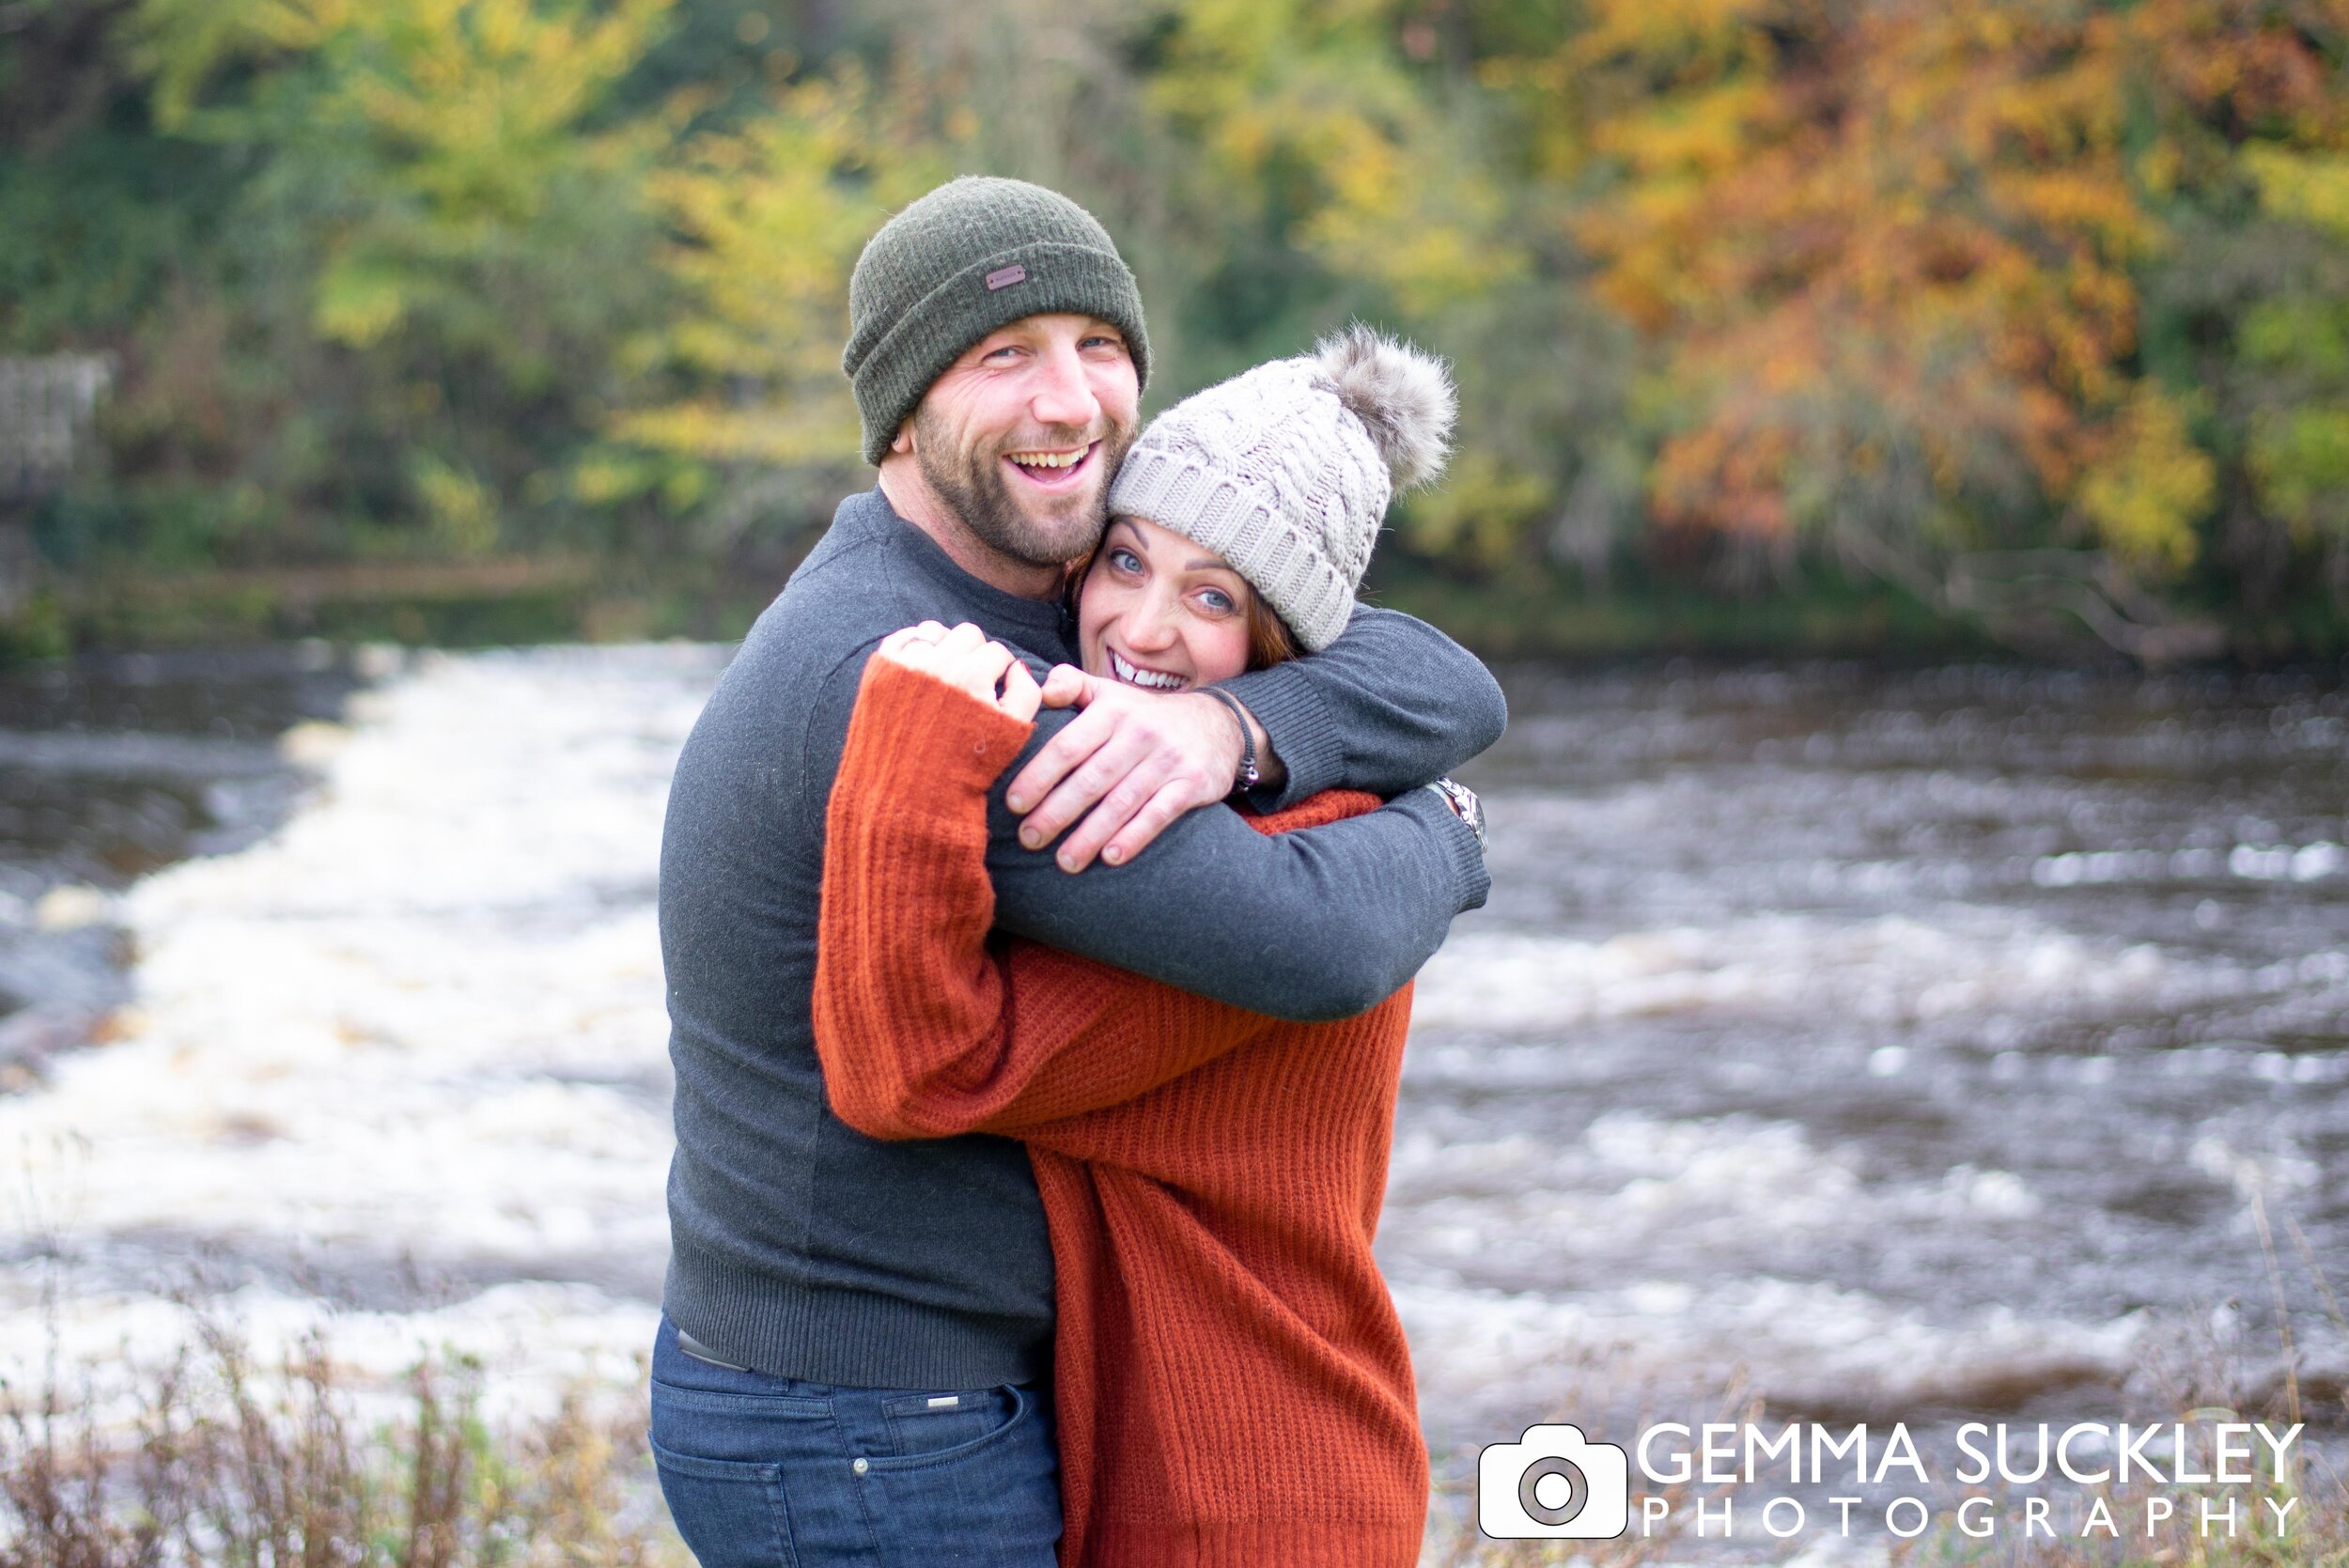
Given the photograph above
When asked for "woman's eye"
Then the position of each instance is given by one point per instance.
(1125, 560)
(1216, 601)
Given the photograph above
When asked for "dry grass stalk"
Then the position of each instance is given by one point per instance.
(224, 1468)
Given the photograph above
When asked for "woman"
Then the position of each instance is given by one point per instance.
(1230, 1380)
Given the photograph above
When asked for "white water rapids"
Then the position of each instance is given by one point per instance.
(400, 1072)
(1770, 1069)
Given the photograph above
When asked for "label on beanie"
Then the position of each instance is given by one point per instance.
(1004, 277)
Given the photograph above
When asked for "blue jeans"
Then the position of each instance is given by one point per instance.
(773, 1472)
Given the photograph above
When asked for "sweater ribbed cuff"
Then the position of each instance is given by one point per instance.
(1300, 728)
(940, 732)
(1470, 880)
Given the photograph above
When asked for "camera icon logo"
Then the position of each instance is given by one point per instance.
(1553, 1484)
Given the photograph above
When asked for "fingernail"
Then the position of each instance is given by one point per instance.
(1017, 802)
(1113, 856)
(1030, 838)
(1068, 862)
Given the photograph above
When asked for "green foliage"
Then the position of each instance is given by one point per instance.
(1730, 283)
(2300, 458)
(1306, 118)
(768, 221)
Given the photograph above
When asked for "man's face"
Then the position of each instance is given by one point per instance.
(1020, 435)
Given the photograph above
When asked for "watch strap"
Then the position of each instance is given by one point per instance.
(1463, 804)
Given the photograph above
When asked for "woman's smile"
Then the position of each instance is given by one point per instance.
(1157, 612)
(1143, 676)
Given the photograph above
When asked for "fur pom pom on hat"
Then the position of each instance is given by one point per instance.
(1403, 397)
(1286, 470)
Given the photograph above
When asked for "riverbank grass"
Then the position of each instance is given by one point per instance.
(215, 1460)
(2292, 1520)
(2296, 1519)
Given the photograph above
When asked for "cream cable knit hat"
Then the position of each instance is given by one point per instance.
(1286, 470)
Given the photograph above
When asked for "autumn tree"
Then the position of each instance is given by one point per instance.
(1890, 259)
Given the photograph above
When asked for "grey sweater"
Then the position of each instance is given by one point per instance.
(805, 1248)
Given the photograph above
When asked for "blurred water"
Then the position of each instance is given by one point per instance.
(1908, 1045)
(1903, 1044)
(111, 767)
(398, 1073)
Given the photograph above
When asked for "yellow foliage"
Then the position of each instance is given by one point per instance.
(2149, 486)
(181, 43)
(2308, 188)
(484, 93)
(1479, 512)
(1672, 32)
(471, 110)
(359, 304)
(772, 219)
(1702, 133)
(1273, 90)
(471, 79)
(461, 511)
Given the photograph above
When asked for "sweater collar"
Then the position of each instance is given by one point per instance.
(1043, 620)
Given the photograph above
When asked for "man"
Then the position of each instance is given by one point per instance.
(854, 1329)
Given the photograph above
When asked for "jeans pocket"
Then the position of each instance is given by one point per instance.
(990, 1496)
(729, 1512)
(924, 1426)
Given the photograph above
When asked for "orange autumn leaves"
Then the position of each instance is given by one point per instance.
(1888, 253)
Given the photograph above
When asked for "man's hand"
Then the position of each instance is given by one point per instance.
(1136, 760)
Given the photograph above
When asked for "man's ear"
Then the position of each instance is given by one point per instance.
(903, 439)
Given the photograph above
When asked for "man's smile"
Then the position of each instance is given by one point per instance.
(1053, 468)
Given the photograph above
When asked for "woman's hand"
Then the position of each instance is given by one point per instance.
(965, 659)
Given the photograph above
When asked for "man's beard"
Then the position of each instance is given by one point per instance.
(974, 485)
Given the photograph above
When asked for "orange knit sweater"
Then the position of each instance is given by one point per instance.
(1232, 1381)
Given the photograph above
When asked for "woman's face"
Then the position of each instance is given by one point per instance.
(1158, 612)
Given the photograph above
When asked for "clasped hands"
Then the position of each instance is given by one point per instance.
(1132, 762)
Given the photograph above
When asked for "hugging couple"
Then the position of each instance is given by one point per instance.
(1039, 899)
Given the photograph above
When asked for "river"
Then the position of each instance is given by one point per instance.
(111, 768)
(1892, 1046)
(1898, 1045)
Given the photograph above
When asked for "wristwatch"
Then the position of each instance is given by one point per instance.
(1464, 804)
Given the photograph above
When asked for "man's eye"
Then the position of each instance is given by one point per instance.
(1102, 341)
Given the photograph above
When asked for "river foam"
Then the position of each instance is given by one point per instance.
(398, 1073)
(396, 1076)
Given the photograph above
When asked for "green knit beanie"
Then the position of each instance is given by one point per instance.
(975, 255)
